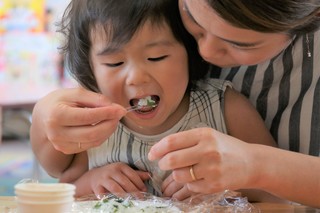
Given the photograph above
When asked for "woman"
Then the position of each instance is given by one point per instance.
(270, 51)
(264, 53)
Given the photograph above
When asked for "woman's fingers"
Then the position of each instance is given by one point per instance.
(187, 174)
(171, 143)
(206, 160)
(197, 144)
(77, 119)
(67, 139)
(173, 189)
(83, 116)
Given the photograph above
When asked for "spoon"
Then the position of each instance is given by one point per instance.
(137, 107)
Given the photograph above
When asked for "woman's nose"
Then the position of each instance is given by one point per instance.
(137, 75)
(211, 47)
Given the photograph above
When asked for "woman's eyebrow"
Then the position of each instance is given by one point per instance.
(186, 9)
(240, 44)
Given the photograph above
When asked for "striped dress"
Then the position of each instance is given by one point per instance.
(205, 109)
(286, 92)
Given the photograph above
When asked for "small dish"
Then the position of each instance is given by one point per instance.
(44, 197)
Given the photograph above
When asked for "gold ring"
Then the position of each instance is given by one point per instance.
(192, 173)
(79, 145)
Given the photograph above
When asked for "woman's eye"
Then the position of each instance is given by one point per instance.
(240, 47)
(237, 47)
(158, 58)
(114, 64)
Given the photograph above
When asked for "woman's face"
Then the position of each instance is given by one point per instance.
(224, 45)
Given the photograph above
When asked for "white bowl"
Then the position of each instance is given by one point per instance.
(44, 197)
(39, 207)
(45, 188)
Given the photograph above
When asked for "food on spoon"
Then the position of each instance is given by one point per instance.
(143, 104)
(147, 101)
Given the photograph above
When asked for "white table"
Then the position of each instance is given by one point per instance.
(9, 203)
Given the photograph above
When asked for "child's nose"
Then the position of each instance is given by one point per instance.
(137, 75)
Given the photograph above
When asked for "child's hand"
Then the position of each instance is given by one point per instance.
(117, 178)
(74, 120)
(173, 189)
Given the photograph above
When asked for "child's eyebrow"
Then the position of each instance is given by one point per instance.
(108, 50)
(159, 43)
(111, 49)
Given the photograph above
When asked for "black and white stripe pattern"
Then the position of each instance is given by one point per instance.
(205, 109)
(286, 92)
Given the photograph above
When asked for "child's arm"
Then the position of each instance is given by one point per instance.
(243, 121)
(77, 168)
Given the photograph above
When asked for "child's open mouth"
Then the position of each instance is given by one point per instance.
(145, 105)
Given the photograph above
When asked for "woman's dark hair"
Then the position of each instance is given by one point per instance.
(120, 20)
(271, 16)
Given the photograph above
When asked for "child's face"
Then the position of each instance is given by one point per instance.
(153, 63)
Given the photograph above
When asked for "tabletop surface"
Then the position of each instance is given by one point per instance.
(7, 203)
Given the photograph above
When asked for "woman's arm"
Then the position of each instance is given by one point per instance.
(69, 121)
(221, 161)
(290, 175)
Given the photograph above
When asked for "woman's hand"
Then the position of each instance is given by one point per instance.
(111, 178)
(69, 121)
(74, 120)
(218, 161)
(173, 189)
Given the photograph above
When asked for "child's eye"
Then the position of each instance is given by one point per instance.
(158, 58)
(114, 64)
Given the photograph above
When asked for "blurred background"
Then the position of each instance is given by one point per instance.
(30, 67)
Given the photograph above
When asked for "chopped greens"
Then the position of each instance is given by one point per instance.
(97, 206)
(150, 103)
(147, 101)
(117, 205)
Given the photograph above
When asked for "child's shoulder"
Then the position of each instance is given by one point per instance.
(209, 84)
